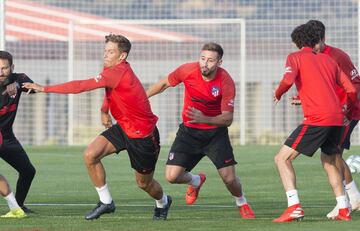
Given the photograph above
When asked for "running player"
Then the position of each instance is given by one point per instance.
(353, 113)
(135, 130)
(316, 77)
(207, 112)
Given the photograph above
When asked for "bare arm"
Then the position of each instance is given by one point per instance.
(158, 87)
(223, 120)
(105, 115)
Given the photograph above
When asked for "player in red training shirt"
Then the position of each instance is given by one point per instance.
(135, 130)
(207, 112)
(316, 77)
(353, 113)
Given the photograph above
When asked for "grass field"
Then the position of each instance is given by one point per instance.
(62, 193)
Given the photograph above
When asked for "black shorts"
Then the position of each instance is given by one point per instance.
(346, 134)
(192, 144)
(143, 152)
(306, 139)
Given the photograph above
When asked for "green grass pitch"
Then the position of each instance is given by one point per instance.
(62, 193)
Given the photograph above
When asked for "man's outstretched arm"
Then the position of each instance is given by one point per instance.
(158, 87)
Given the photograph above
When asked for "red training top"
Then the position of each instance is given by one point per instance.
(125, 97)
(316, 77)
(210, 97)
(348, 68)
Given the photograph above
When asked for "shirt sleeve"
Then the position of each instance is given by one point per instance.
(178, 75)
(349, 70)
(346, 84)
(23, 78)
(108, 78)
(228, 95)
(290, 75)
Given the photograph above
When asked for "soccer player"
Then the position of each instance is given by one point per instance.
(5, 191)
(353, 113)
(316, 77)
(11, 151)
(207, 112)
(135, 130)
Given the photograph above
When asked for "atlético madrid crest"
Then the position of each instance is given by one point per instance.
(171, 156)
(215, 91)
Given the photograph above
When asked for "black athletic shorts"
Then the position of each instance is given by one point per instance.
(143, 152)
(346, 134)
(192, 144)
(306, 139)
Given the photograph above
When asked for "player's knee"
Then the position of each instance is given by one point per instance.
(144, 185)
(277, 159)
(89, 156)
(28, 172)
(229, 180)
(31, 171)
(171, 178)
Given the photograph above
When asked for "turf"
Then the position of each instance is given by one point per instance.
(62, 193)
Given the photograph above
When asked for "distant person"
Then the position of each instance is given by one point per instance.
(207, 113)
(11, 151)
(316, 77)
(135, 130)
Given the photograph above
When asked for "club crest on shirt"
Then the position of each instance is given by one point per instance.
(171, 156)
(215, 91)
(354, 74)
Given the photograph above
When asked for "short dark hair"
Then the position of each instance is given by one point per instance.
(305, 36)
(213, 47)
(123, 43)
(6, 55)
(319, 26)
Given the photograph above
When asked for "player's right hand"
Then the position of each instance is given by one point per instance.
(106, 120)
(33, 87)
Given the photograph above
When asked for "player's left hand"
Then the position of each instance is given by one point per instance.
(11, 90)
(195, 115)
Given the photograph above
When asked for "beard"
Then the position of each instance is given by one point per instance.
(206, 72)
(5, 82)
(7, 79)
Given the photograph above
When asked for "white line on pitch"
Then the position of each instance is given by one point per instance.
(150, 205)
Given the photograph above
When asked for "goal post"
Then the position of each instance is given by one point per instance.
(158, 47)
